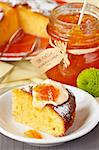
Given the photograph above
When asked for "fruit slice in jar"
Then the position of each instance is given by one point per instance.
(32, 22)
(9, 22)
(80, 36)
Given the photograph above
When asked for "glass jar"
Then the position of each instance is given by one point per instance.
(82, 40)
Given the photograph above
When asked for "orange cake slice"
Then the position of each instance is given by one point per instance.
(32, 22)
(44, 107)
(9, 22)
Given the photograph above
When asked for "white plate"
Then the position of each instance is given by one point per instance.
(86, 119)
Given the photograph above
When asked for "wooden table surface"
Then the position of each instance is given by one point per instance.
(87, 142)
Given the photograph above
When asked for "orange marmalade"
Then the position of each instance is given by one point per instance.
(33, 134)
(82, 41)
(47, 92)
(22, 45)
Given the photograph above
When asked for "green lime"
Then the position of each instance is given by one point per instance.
(88, 80)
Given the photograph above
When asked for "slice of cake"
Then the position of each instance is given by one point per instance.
(32, 22)
(8, 23)
(47, 107)
(32, 16)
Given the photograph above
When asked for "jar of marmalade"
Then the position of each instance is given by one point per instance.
(82, 40)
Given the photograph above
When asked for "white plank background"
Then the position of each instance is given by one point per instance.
(87, 142)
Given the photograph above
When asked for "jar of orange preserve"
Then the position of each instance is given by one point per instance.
(82, 40)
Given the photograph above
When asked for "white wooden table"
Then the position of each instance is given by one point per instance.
(87, 142)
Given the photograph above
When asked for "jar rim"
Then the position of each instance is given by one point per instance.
(53, 17)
